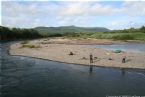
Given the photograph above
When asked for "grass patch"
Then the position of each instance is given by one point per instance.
(123, 37)
(110, 35)
(30, 46)
(24, 42)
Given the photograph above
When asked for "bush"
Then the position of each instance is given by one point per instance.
(123, 37)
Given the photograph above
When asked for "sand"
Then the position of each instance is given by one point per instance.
(59, 49)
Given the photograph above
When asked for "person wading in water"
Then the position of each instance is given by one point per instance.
(91, 61)
(91, 58)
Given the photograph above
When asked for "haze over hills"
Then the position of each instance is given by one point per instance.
(70, 29)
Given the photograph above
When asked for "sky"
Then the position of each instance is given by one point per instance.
(109, 14)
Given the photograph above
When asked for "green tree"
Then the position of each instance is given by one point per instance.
(142, 29)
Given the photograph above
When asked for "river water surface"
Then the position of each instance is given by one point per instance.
(127, 47)
(31, 77)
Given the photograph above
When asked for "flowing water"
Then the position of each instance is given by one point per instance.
(127, 47)
(31, 77)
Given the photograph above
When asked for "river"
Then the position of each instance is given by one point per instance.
(31, 77)
(127, 47)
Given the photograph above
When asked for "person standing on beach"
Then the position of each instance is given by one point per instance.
(91, 58)
(124, 59)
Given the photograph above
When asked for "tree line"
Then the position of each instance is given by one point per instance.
(17, 33)
(131, 30)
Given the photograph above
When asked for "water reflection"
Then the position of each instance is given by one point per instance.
(91, 68)
(123, 72)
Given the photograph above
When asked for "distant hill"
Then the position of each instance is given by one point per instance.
(69, 29)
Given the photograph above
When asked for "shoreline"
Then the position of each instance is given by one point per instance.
(14, 51)
(120, 68)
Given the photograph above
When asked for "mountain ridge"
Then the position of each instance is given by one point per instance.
(70, 29)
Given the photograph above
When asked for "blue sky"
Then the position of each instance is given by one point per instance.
(109, 14)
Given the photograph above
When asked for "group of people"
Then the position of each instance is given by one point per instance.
(91, 59)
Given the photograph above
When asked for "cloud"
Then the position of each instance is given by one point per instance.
(126, 22)
(70, 12)
(88, 8)
(134, 8)
(55, 13)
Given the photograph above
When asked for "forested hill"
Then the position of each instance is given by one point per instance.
(70, 29)
(38, 32)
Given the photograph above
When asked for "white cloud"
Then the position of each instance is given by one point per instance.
(134, 8)
(31, 14)
(131, 8)
(67, 9)
(89, 8)
(128, 22)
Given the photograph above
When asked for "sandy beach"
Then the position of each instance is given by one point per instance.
(59, 49)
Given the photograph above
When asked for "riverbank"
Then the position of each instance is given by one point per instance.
(59, 49)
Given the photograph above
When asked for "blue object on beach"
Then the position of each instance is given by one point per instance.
(117, 51)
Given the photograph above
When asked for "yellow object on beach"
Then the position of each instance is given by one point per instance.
(107, 53)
